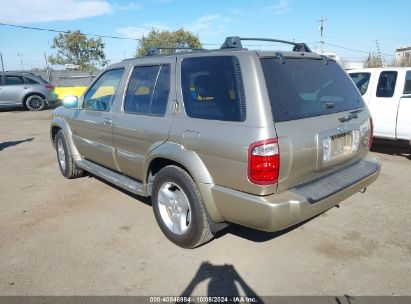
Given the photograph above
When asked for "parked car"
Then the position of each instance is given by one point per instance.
(387, 93)
(260, 138)
(25, 90)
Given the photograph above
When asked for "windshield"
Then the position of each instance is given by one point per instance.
(302, 88)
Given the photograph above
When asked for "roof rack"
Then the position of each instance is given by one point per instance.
(153, 51)
(235, 42)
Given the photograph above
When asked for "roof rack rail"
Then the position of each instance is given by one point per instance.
(235, 42)
(153, 51)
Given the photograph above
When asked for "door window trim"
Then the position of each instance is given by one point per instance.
(395, 84)
(128, 83)
(5, 76)
(92, 84)
(407, 72)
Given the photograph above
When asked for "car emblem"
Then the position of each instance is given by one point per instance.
(342, 128)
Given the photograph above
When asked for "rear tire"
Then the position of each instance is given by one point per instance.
(65, 159)
(35, 102)
(179, 209)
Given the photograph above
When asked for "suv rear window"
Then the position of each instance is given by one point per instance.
(212, 88)
(302, 88)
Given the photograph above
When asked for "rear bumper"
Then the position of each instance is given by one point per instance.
(282, 210)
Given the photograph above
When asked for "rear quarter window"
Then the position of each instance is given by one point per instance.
(361, 80)
(302, 88)
(30, 81)
(212, 88)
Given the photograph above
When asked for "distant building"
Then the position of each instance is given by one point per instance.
(70, 66)
(403, 54)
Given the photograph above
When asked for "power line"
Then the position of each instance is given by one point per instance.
(354, 50)
(136, 39)
(65, 32)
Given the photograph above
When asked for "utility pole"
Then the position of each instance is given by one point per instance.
(379, 52)
(321, 28)
(21, 60)
(47, 67)
(2, 63)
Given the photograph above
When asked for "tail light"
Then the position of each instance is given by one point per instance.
(264, 162)
(48, 86)
(371, 133)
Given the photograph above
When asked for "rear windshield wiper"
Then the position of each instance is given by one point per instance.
(352, 115)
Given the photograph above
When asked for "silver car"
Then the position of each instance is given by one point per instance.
(26, 90)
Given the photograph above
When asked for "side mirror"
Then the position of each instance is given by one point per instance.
(70, 102)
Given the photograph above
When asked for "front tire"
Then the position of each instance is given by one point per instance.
(65, 159)
(35, 102)
(178, 208)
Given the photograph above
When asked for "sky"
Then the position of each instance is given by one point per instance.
(350, 30)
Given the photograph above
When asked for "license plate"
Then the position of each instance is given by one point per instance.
(341, 144)
(337, 147)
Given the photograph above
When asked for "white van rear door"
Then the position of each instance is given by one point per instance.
(404, 110)
(384, 103)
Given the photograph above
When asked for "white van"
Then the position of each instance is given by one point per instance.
(387, 92)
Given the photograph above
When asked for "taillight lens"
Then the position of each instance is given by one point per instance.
(371, 133)
(48, 86)
(264, 162)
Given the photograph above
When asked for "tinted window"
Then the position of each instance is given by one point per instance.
(386, 84)
(212, 88)
(301, 88)
(101, 95)
(31, 81)
(148, 90)
(361, 80)
(14, 80)
(407, 86)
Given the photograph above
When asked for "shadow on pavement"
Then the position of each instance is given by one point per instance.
(8, 144)
(392, 148)
(223, 282)
(144, 200)
(257, 235)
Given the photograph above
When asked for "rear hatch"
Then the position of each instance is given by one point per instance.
(321, 121)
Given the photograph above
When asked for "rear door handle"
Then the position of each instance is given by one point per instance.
(108, 122)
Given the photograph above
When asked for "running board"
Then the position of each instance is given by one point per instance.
(113, 177)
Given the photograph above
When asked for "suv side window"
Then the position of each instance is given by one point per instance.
(148, 90)
(101, 95)
(386, 84)
(213, 88)
(407, 86)
(361, 81)
(13, 80)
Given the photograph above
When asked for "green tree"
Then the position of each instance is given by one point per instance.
(156, 38)
(75, 48)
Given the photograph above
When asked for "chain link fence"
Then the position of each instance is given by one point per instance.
(67, 78)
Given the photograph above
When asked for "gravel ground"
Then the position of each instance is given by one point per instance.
(85, 237)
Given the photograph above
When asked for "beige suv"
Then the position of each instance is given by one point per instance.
(265, 139)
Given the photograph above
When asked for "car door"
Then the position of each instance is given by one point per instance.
(91, 123)
(384, 102)
(12, 90)
(144, 119)
(404, 110)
